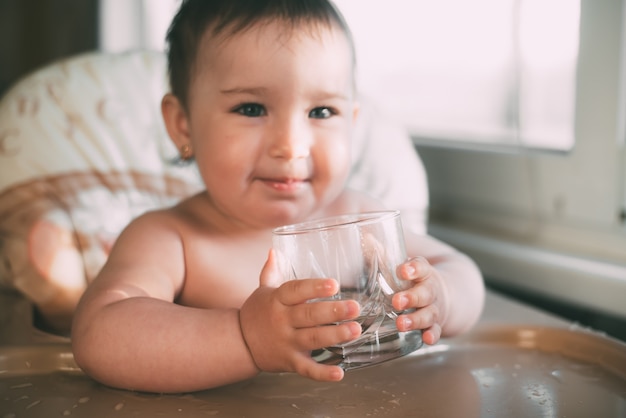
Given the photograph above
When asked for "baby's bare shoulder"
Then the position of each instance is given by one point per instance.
(179, 216)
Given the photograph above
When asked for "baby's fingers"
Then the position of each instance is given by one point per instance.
(309, 368)
(419, 296)
(307, 315)
(308, 339)
(416, 269)
(430, 334)
(419, 319)
(294, 292)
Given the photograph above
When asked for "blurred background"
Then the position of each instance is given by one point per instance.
(36, 32)
(516, 107)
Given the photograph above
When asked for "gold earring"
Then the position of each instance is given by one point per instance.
(185, 152)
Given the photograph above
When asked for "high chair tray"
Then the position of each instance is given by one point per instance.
(492, 371)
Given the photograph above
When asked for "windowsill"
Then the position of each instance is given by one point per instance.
(499, 145)
(588, 283)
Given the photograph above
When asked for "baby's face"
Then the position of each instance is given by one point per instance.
(270, 119)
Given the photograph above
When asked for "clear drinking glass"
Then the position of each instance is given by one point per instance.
(361, 251)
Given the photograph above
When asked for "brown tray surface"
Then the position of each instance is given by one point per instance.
(504, 371)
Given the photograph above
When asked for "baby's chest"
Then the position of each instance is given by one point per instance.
(221, 277)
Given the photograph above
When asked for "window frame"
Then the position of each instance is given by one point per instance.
(526, 216)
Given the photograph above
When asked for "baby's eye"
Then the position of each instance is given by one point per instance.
(321, 113)
(251, 110)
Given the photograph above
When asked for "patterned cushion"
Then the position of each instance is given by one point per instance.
(83, 150)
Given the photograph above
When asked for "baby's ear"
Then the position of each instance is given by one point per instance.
(176, 121)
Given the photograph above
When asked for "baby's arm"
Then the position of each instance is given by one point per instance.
(128, 333)
(448, 292)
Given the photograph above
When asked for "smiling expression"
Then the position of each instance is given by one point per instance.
(269, 120)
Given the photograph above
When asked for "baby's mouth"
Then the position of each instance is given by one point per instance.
(286, 184)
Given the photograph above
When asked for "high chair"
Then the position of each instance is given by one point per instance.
(83, 150)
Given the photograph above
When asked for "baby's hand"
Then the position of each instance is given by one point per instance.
(281, 328)
(428, 294)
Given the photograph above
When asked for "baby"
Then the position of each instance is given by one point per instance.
(263, 99)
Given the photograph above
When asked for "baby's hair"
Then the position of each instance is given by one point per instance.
(229, 17)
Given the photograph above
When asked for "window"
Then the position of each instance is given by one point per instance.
(480, 71)
(487, 72)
